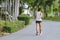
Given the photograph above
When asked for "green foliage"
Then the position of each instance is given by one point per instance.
(2, 23)
(48, 9)
(49, 2)
(11, 26)
(14, 26)
(20, 10)
(24, 17)
(52, 18)
(55, 9)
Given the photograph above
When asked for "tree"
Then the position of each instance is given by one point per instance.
(47, 3)
(59, 7)
(37, 3)
(13, 8)
(16, 9)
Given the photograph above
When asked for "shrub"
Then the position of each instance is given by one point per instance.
(24, 17)
(11, 26)
(55, 9)
(2, 24)
(14, 26)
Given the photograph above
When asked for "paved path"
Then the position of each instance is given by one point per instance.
(51, 31)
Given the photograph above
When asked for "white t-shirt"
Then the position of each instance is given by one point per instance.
(38, 16)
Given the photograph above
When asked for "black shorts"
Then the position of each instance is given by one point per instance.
(38, 21)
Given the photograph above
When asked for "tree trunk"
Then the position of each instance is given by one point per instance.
(45, 13)
(9, 11)
(51, 7)
(15, 9)
(34, 12)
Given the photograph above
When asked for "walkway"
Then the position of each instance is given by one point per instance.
(51, 31)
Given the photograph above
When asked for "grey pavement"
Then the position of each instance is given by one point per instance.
(51, 31)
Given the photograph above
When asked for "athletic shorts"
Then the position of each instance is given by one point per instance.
(38, 21)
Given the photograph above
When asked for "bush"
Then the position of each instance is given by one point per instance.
(55, 9)
(12, 26)
(2, 24)
(24, 17)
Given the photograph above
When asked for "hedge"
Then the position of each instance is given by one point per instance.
(24, 17)
(12, 26)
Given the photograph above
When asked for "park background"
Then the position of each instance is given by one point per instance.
(16, 14)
